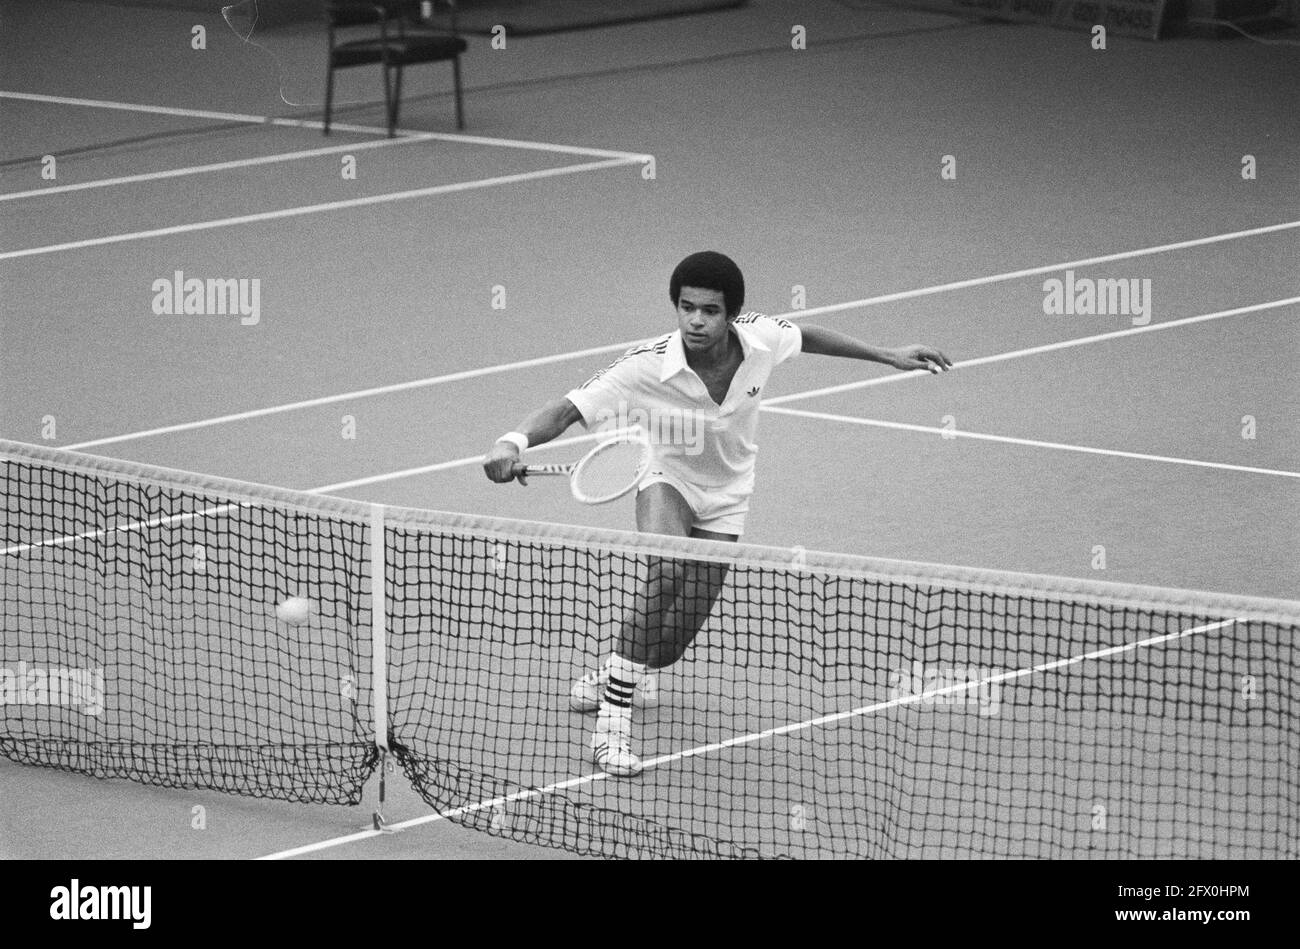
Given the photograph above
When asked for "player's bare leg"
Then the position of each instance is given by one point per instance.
(671, 607)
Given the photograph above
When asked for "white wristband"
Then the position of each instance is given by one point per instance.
(518, 439)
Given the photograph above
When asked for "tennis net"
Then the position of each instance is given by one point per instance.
(830, 705)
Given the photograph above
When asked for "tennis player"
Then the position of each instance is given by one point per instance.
(711, 370)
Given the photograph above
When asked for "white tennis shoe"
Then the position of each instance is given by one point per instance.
(611, 748)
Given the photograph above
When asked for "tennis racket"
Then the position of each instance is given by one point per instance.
(606, 473)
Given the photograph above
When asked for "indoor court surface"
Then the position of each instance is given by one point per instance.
(411, 312)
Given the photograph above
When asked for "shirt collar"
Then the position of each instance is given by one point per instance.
(675, 357)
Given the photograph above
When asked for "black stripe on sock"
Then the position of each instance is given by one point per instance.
(619, 693)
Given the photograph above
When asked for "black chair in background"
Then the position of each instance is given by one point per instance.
(396, 44)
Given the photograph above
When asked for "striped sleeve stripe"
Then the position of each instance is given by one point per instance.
(659, 346)
(753, 317)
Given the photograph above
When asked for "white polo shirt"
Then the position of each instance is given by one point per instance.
(694, 438)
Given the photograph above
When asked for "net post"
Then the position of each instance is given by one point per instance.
(379, 651)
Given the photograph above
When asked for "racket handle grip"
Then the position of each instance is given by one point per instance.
(529, 470)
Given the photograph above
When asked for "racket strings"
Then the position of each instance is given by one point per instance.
(611, 470)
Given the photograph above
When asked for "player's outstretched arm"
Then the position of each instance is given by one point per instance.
(827, 342)
(548, 422)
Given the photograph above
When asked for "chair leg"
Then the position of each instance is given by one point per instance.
(460, 109)
(388, 102)
(397, 99)
(329, 97)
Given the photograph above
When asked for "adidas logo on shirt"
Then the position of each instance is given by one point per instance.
(753, 392)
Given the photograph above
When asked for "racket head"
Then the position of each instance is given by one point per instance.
(611, 469)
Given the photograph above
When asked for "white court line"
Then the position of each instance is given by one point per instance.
(194, 113)
(218, 166)
(620, 347)
(539, 146)
(319, 208)
(1049, 268)
(1028, 442)
(317, 124)
(134, 107)
(1035, 350)
(823, 416)
(121, 528)
(341, 397)
(563, 357)
(752, 737)
(472, 460)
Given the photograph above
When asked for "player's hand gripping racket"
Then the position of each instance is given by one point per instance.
(606, 473)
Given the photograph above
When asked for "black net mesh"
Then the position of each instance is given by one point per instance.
(827, 706)
(139, 637)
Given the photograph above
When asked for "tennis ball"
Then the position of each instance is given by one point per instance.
(295, 611)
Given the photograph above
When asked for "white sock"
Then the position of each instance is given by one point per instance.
(616, 704)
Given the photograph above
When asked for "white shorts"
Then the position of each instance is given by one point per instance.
(720, 510)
